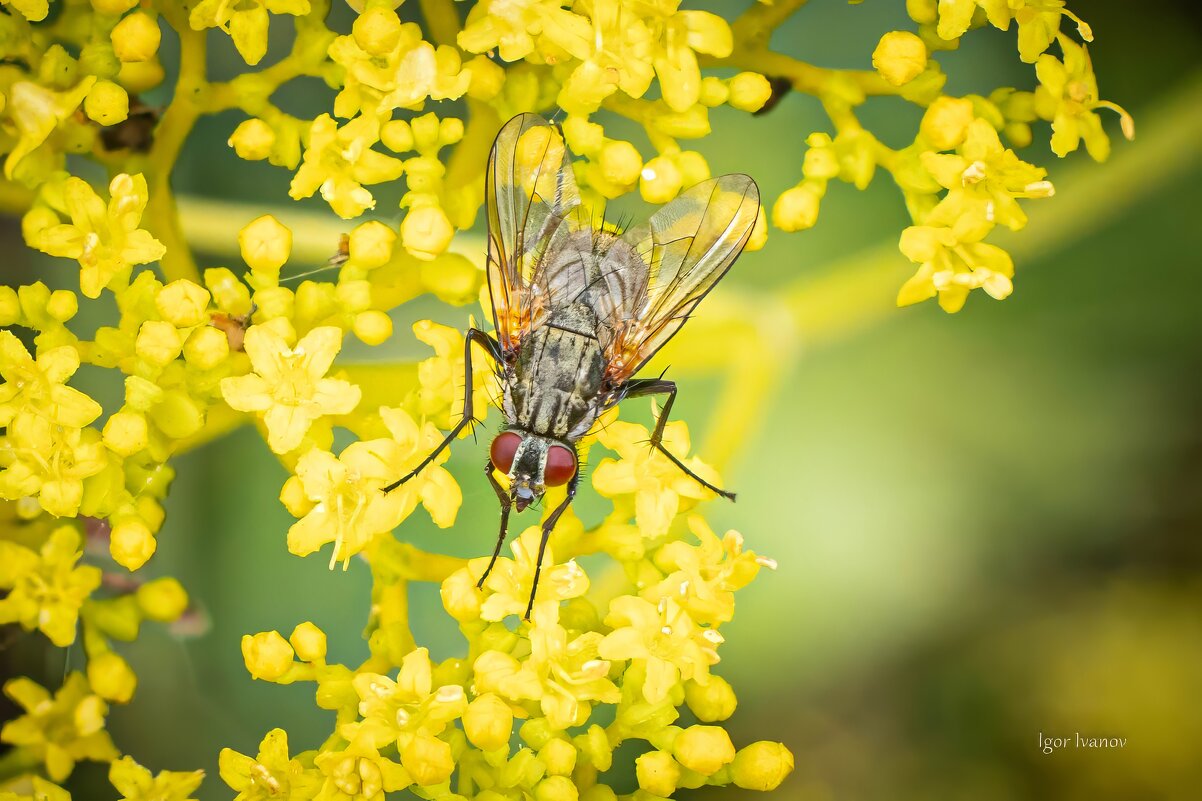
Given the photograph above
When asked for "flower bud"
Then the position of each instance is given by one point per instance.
(488, 722)
(377, 30)
(946, 121)
(136, 38)
(131, 544)
(267, 655)
(749, 91)
(163, 599)
(487, 78)
(762, 766)
(62, 305)
(140, 76)
(207, 347)
(426, 232)
(252, 140)
(704, 749)
(397, 136)
(178, 414)
(556, 788)
(599, 792)
(182, 303)
(620, 163)
(713, 701)
(900, 57)
(373, 327)
(111, 677)
(309, 642)
(158, 342)
(460, 596)
(370, 244)
(428, 760)
(266, 244)
(660, 180)
(10, 304)
(797, 208)
(559, 756)
(106, 103)
(125, 433)
(657, 773)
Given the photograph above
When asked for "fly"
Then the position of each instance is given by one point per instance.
(578, 310)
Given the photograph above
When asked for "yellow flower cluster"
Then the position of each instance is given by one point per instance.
(530, 709)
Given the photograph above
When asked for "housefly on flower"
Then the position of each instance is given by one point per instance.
(579, 309)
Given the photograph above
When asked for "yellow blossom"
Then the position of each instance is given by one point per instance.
(37, 111)
(664, 638)
(1067, 96)
(983, 181)
(509, 582)
(136, 783)
(358, 773)
(46, 588)
(49, 461)
(951, 266)
(645, 480)
(267, 655)
(440, 377)
(271, 775)
(38, 386)
(106, 241)
(246, 23)
(59, 730)
(340, 501)
(900, 57)
(339, 161)
(703, 578)
(287, 386)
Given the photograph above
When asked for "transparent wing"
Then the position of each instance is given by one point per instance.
(530, 193)
(687, 246)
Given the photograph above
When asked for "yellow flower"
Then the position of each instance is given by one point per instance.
(339, 499)
(900, 57)
(645, 480)
(983, 181)
(406, 710)
(389, 66)
(703, 578)
(1067, 96)
(106, 241)
(271, 775)
(245, 22)
(42, 791)
(1038, 23)
(952, 266)
(267, 655)
(339, 161)
(47, 588)
(36, 111)
(59, 730)
(440, 396)
(508, 584)
(662, 637)
(32, 10)
(509, 26)
(136, 783)
(565, 675)
(358, 773)
(287, 386)
(39, 386)
(49, 461)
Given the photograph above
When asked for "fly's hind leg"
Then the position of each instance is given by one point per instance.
(494, 350)
(657, 386)
(548, 526)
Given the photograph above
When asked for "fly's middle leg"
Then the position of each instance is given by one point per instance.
(506, 503)
(494, 350)
(640, 387)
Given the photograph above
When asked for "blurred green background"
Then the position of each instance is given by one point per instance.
(987, 524)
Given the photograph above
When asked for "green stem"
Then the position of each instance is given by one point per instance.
(162, 216)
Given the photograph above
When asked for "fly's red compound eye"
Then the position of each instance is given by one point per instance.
(503, 449)
(561, 466)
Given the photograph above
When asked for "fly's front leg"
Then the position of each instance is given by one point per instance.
(494, 350)
(548, 525)
(658, 386)
(506, 503)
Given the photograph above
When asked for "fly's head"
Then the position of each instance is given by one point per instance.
(532, 463)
